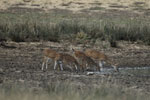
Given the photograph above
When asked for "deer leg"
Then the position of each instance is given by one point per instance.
(101, 64)
(61, 66)
(43, 65)
(55, 64)
(47, 63)
(98, 68)
(44, 60)
(82, 67)
(76, 67)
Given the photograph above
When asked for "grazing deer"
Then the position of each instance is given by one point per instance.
(50, 54)
(59, 58)
(101, 57)
(84, 60)
(69, 61)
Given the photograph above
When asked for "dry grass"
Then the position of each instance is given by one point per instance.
(41, 26)
(68, 91)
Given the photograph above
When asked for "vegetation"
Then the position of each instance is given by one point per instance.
(41, 26)
(67, 91)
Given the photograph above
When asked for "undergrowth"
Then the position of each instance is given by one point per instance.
(67, 91)
(53, 28)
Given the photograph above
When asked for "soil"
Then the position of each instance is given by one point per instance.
(20, 63)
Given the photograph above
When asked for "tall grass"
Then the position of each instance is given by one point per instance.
(67, 91)
(53, 28)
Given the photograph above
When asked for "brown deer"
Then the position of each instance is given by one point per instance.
(101, 57)
(84, 60)
(50, 54)
(59, 58)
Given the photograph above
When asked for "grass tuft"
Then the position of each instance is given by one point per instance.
(39, 27)
(67, 91)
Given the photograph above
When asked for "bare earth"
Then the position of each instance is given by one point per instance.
(20, 63)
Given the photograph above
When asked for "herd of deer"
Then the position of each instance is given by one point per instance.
(80, 61)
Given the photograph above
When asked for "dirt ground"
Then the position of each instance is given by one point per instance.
(20, 63)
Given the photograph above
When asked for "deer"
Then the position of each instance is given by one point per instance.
(59, 58)
(50, 54)
(84, 60)
(101, 58)
(69, 61)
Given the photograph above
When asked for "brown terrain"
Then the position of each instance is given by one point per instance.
(20, 63)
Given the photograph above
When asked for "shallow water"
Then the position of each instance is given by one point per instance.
(138, 71)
